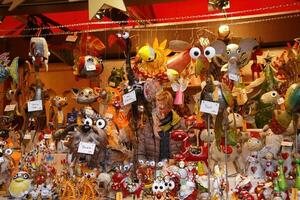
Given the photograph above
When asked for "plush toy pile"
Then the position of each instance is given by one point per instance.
(148, 136)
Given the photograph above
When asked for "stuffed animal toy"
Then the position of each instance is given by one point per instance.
(88, 67)
(7, 70)
(89, 135)
(86, 95)
(20, 185)
(39, 52)
(6, 164)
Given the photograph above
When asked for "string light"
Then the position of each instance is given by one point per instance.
(161, 20)
(142, 28)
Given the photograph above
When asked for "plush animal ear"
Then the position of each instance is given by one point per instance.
(248, 44)
(75, 91)
(219, 46)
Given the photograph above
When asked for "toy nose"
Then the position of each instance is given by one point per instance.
(232, 60)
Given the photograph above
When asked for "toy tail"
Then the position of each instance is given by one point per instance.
(13, 69)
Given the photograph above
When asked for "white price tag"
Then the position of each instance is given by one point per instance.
(112, 84)
(90, 66)
(286, 143)
(86, 148)
(47, 136)
(10, 107)
(209, 107)
(1, 159)
(27, 136)
(280, 100)
(233, 77)
(129, 98)
(71, 38)
(35, 105)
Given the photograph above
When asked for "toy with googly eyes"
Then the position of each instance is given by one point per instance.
(195, 55)
(172, 185)
(20, 185)
(88, 67)
(121, 39)
(89, 133)
(159, 189)
(6, 163)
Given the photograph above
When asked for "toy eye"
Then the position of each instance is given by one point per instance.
(8, 151)
(125, 35)
(195, 53)
(101, 123)
(238, 51)
(166, 184)
(152, 163)
(90, 60)
(148, 163)
(88, 121)
(16, 176)
(209, 52)
(119, 35)
(25, 176)
(90, 92)
(81, 93)
(273, 94)
(228, 52)
(126, 167)
(161, 187)
(155, 187)
(141, 162)
(171, 185)
(92, 175)
(159, 164)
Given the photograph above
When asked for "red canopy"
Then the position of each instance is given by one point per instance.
(187, 10)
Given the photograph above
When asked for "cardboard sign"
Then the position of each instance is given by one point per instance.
(90, 66)
(36, 105)
(129, 98)
(47, 136)
(280, 100)
(209, 107)
(86, 148)
(10, 107)
(286, 143)
(233, 77)
(71, 38)
(27, 136)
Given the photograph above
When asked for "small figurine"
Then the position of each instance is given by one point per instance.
(86, 95)
(87, 67)
(6, 164)
(286, 156)
(7, 70)
(20, 185)
(254, 167)
(39, 52)
(117, 76)
(57, 117)
(270, 166)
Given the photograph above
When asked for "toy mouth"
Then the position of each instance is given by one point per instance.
(85, 128)
(18, 180)
(158, 196)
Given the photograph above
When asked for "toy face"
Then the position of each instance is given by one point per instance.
(20, 185)
(204, 135)
(238, 120)
(254, 144)
(85, 96)
(116, 77)
(159, 189)
(59, 101)
(233, 51)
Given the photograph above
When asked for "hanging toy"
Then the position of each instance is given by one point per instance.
(150, 62)
(39, 52)
(7, 70)
(88, 67)
(179, 87)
